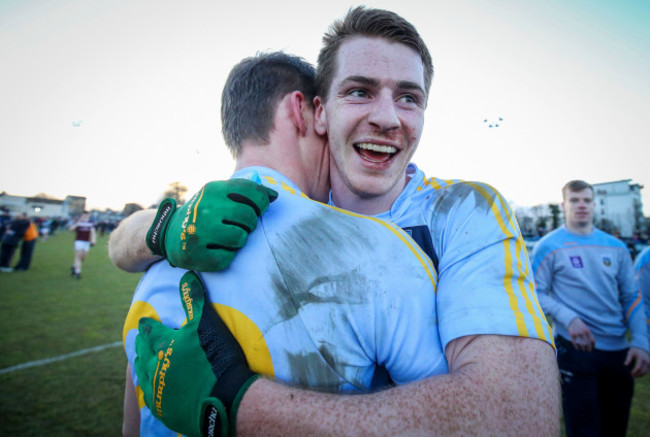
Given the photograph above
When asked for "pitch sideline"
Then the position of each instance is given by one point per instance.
(59, 358)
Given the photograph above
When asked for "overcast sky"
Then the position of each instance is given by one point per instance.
(115, 99)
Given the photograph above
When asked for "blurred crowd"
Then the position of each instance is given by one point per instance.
(19, 233)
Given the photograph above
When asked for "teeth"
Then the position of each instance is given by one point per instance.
(377, 148)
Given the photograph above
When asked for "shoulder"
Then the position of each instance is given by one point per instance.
(606, 239)
(549, 243)
(159, 276)
(642, 259)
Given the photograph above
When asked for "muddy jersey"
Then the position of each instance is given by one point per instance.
(485, 284)
(318, 297)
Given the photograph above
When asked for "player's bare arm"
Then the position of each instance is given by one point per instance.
(131, 418)
(497, 385)
(202, 235)
(127, 247)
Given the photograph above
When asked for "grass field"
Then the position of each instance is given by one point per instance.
(47, 313)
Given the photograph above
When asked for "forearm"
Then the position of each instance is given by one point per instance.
(131, 419)
(127, 247)
(496, 386)
(638, 327)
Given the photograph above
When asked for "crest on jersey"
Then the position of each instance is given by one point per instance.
(576, 262)
(607, 260)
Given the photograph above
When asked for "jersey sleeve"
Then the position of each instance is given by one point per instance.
(485, 282)
(543, 271)
(404, 332)
(642, 275)
(157, 297)
(632, 303)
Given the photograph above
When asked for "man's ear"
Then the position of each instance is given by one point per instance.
(320, 117)
(297, 104)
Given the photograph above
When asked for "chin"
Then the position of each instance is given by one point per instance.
(371, 188)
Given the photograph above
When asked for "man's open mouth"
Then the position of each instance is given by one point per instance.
(375, 153)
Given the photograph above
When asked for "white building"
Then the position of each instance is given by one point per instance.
(619, 204)
(43, 205)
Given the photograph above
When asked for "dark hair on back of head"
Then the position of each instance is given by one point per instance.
(252, 92)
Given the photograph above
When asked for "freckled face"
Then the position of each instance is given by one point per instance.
(373, 116)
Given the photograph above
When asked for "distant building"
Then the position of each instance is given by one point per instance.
(618, 211)
(76, 205)
(43, 205)
(619, 208)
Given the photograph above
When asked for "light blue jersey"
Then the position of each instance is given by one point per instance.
(485, 284)
(318, 297)
(642, 274)
(590, 276)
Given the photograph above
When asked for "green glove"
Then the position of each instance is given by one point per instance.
(192, 378)
(205, 233)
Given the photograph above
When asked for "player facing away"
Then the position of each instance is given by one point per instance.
(85, 237)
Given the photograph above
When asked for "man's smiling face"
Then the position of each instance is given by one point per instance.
(373, 116)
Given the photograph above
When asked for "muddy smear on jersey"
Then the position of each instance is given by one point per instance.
(320, 261)
(310, 367)
(326, 263)
(455, 194)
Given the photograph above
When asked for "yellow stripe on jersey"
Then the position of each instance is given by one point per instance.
(508, 261)
(288, 188)
(249, 337)
(284, 186)
(541, 320)
(138, 310)
(424, 260)
(140, 395)
(270, 180)
(530, 299)
(245, 331)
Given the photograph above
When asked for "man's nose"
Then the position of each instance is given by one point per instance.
(383, 113)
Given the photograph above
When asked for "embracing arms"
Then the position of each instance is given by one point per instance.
(203, 234)
(497, 385)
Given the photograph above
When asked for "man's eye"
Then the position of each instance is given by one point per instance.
(410, 100)
(358, 93)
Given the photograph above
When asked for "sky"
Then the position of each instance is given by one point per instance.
(114, 100)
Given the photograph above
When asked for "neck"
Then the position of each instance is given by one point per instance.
(271, 156)
(363, 203)
(580, 228)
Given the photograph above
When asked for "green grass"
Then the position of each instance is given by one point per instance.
(46, 313)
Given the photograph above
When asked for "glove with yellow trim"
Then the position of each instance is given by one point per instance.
(192, 378)
(205, 233)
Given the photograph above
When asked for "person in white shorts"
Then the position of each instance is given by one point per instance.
(84, 239)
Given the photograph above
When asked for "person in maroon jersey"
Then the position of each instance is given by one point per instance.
(84, 239)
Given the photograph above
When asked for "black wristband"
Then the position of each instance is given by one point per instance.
(156, 233)
(212, 425)
(230, 383)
